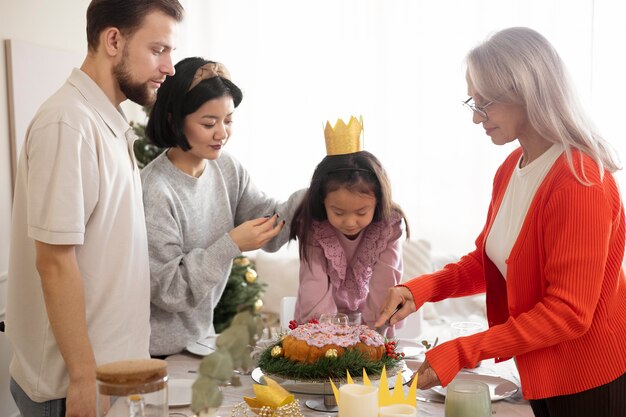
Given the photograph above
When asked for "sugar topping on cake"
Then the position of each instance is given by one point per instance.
(323, 334)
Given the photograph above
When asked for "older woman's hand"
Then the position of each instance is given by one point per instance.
(398, 304)
(427, 377)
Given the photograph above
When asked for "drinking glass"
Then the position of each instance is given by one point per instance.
(338, 318)
(354, 318)
(466, 328)
(468, 398)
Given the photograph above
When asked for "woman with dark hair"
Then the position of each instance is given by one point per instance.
(202, 209)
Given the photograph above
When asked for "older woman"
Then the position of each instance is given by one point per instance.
(550, 254)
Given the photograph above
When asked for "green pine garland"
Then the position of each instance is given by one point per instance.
(243, 291)
(352, 361)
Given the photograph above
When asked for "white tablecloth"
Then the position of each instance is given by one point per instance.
(184, 366)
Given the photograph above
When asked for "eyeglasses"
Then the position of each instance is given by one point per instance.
(480, 110)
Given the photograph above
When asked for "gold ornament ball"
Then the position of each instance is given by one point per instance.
(258, 305)
(250, 276)
(243, 261)
(331, 353)
(276, 352)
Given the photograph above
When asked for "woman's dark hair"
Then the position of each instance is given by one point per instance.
(359, 172)
(125, 15)
(175, 101)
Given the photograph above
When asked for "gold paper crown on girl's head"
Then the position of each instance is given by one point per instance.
(344, 138)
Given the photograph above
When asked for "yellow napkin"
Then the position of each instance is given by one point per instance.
(271, 395)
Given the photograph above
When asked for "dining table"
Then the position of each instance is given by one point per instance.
(183, 368)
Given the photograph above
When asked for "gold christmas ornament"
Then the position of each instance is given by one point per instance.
(250, 276)
(344, 139)
(242, 261)
(331, 353)
(258, 305)
(276, 351)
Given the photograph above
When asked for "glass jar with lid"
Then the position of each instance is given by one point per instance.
(132, 388)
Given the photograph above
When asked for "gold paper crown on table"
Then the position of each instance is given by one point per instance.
(272, 400)
(384, 396)
(344, 138)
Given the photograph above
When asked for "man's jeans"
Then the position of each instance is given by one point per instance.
(30, 408)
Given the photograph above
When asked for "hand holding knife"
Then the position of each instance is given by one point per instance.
(399, 300)
(382, 329)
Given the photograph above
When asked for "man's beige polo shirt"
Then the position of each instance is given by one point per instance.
(78, 184)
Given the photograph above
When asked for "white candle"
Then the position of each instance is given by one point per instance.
(398, 410)
(357, 400)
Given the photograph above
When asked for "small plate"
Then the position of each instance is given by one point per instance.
(412, 352)
(499, 388)
(202, 347)
(179, 392)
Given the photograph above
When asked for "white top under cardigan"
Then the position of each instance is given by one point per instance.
(517, 198)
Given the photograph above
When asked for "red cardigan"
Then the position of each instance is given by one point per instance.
(562, 309)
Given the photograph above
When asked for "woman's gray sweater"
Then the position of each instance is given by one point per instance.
(191, 253)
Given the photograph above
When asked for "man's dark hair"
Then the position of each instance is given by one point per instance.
(125, 15)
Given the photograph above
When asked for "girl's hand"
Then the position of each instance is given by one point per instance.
(398, 304)
(255, 233)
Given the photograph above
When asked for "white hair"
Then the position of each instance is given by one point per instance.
(518, 65)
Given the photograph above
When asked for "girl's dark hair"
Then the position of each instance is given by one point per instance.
(175, 101)
(359, 172)
(125, 15)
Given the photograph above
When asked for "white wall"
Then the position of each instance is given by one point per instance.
(401, 65)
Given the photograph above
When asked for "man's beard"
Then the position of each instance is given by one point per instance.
(137, 92)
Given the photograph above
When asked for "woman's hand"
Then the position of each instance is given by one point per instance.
(427, 377)
(255, 233)
(398, 304)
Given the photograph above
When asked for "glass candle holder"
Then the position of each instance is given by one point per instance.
(133, 388)
(467, 398)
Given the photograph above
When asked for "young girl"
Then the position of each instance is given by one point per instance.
(349, 233)
(202, 209)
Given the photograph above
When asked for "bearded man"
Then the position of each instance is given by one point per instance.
(79, 279)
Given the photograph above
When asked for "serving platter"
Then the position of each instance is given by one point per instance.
(499, 388)
(323, 388)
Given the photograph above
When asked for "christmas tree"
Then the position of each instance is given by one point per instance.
(145, 151)
(243, 291)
